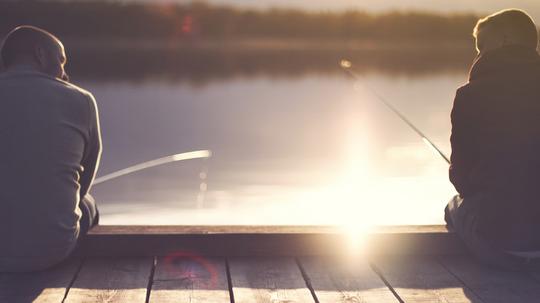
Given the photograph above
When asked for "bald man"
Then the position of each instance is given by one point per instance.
(50, 146)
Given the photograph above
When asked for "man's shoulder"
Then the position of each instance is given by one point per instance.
(42, 82)
(464, 90)
(74, 89)
(468, 96)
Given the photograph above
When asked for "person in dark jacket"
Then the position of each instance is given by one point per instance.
(50, 146)
(495, 161)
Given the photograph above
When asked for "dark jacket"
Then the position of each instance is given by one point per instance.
(496, 144)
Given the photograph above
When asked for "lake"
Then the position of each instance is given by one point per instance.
(294, 140)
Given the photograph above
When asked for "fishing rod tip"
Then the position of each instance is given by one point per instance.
(345, 63)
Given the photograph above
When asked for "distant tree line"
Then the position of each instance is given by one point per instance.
(109, 20)
(202, 66)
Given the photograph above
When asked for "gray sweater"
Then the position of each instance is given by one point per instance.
(50, 147)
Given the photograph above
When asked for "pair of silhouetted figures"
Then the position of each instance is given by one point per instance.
(50, 148)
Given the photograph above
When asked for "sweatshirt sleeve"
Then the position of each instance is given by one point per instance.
(461, 140)
(92, 150)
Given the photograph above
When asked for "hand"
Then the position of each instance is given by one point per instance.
(65, 77)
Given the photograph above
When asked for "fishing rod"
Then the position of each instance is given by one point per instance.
(347, 67)
(197, 154)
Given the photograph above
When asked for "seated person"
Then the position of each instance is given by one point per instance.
(49, 153)
(495, 162)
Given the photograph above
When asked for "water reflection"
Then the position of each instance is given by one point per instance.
(307, 150)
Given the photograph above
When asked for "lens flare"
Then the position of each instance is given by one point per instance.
(345, 63)
(206, 278)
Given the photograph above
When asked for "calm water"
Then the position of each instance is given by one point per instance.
(305, 147)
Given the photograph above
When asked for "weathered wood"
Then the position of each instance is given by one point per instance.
(491, 284)
(248, 229)
(47, 286)
(345, 280)
(417, 242)
(111, 280)
(184, 277)
(268, 280)
(423, 280)
(262, 240)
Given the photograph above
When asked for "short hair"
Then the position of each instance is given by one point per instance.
(514, 22)
(22, 41)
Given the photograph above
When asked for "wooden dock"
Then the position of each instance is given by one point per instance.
(184, 266)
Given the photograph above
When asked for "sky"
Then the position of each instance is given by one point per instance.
(477, 6)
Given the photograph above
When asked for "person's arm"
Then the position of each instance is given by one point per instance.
(92, 154)
(462, 141)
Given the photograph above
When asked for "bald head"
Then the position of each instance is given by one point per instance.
(35, 47)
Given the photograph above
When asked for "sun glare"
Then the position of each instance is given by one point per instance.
(349, 193)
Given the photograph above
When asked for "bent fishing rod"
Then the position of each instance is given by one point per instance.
(197, 154)
(346, 65)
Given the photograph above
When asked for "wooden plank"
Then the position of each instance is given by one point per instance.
(345, 280)
(111, 280)
(268, 280)
(184, 277)
(46, 286)
(423, 279)
(491, 284)
(262, 240)
(259, 229)
(415, 243)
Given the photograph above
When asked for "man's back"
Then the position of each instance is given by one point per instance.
(49, 148)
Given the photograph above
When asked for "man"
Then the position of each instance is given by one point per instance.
(49, 152)
(496, 145)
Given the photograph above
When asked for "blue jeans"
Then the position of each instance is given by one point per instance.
(90, 214)
(462, 218)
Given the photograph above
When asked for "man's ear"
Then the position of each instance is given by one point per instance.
(40, 56)
(504, 40)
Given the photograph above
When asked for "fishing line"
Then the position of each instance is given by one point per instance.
(346, 65)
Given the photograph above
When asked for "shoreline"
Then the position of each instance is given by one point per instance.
(263, 44)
